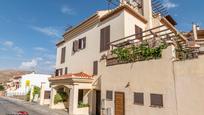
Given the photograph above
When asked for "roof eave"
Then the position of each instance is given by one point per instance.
(82, 23)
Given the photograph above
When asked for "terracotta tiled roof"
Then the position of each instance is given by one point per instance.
(75, 75)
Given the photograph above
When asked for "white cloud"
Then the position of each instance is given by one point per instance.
(8, 43)
(29, 65)
(39, 59)
(67, 10)
(10, 46)
(168, 4)
(18, 50)
(50, 31)
(48, 62)
(40, 49)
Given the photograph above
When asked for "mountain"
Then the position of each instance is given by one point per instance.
(5, 75)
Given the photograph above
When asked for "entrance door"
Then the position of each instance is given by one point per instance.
(119, 103)
(98, 102)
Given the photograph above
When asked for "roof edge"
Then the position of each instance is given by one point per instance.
(80, 24)
(126, 8)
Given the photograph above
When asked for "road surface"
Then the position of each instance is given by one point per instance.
(10, 107)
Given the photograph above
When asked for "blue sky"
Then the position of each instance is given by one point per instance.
(30, 28)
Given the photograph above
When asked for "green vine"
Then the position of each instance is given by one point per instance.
(140, 53)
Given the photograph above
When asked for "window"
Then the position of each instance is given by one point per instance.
(75, 46)
(56, 72)
(156, 100)
(65, 70)
(139, 98)
(82, 43)
(138, 32)
(80, 95)
(95, 67)
(63, 51)
(109, 95)
(79, 44)
(105, 39)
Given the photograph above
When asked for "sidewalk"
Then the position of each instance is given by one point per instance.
(36, 107)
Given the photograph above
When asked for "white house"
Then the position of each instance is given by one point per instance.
(29, 80)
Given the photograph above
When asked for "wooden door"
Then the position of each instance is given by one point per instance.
(119, 103)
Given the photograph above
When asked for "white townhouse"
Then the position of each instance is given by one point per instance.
(25, 82)
(129, 60)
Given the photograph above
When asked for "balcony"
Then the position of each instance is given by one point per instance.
(148, 45)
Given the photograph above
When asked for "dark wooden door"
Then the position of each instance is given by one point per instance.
(98, 102)
(119, 103)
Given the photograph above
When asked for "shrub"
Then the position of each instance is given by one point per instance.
(36, 90)
(60, 97)
(28, 96)
(2, 88)
(82, 105)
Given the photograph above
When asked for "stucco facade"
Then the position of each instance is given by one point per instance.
(165, 76)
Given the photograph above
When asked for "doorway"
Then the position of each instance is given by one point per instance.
(119, 103)
(98, 102)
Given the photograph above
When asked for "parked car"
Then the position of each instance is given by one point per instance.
(22, 113)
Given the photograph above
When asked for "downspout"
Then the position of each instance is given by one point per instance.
(174, 80)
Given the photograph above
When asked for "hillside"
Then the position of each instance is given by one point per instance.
(5, 75)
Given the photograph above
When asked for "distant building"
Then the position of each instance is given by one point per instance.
(196, 36)
(22, 84)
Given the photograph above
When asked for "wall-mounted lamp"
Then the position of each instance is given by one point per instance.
(128, 84)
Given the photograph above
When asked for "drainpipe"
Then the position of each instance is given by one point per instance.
(174, 85)
(195, 35)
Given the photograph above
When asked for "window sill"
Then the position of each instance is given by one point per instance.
(139, 104)
(109, 99)
(156, 106)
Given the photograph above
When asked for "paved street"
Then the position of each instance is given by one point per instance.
(10, 106)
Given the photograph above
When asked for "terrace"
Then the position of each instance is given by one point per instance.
(149, 45)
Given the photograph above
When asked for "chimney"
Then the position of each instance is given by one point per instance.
(148, 12)
(198, 27)
(147, 9)
(195, 36)
(122, 2)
